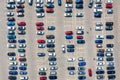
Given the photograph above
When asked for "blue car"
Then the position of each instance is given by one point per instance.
(70, 46)
(50, 6)
(13, 72)
(11, 36)
(52, 59)
(80, 41)
(59, 2)
(21, 41)
(10, 23)
(69, 37)
(51, 27)
(41, 54)
(11, 54)
(100, 54)
(98, 41)
(81, 63)
(22, 68)
(52, 77)
(23, 73)
(70, 50)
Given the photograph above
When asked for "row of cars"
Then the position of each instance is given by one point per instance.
(40, 13)
(69, 6)
(17, 66)
(49, 43)
(108, 52)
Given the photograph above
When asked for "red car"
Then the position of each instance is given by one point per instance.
(68, 32)
(49, 10)
(90, 72)
(22, 59)
(109, 5)
(43, 78)
(79, 37)
(41, 41)
(39, 23)
(22, 23)
(40, 27)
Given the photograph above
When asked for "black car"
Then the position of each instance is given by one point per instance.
(52, 59)
(110, 45)
(11, 19)
(19, 5)
(70, 50)
(11, 54)
(50, 45)
(42, 73)
(97, 14)
(12, 77)
(111, 76)
(110, 68)
(100, 72)
(110, 72)
(109, 59)
(52, 77)
(81, 68)
(90, 5)
(50, 36)
(79, 6)
(109, 28)
(79, 1)
(22, 32)
(11, 33)
(81, 77)
(12, 41)
(71, 68)
(109, 23)
(68, 10)
(109, 36)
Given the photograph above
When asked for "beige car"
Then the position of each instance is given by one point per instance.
(51, 50)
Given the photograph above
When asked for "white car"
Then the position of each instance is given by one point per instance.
(12, 28)
(99, 24)
(79, 14)
(13, 63)
(23, 64)
(41, 45)
(109, 50)
(79, 28)
(109, 1)
(97, 10)
(100, 37)
(98, 1)
(63, 48)
(22, 45)
(81, 59)
(11, 46)
(40, 32)
(43, 69)
(39, 5)
(50, 41)
(69, 5)
(23, 77)
(21, 54)
(19, 14)
(100, 63)
(39, 1)
(68, 15)
(99, 68)
(71, 59)
(10, 1)
(98, 28)
(39, 15)
(109, 54)
(52, 54)
(50, 1)
(99, 45)
(12, 58)
(10, 14)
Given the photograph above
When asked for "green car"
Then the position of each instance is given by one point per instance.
(51, 50)
(21, 50)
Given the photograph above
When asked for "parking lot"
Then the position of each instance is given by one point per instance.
(62, 24)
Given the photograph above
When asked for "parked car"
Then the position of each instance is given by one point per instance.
(109, 36)
(90, 72)
(41, 54)
(82, 63)
(71, 68)
(98, 41)
(22, 23)
(69, 37)
(80, 41)
(50, 10)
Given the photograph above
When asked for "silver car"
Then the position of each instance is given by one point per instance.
(54, 68)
